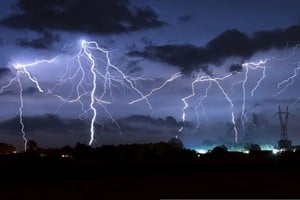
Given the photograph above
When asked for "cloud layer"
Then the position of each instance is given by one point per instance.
(46, 41)
(229, 43)
(89, 16)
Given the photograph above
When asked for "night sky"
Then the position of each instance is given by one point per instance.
(149, 41)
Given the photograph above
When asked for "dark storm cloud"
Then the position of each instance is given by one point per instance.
(236, 68)
(186, 57)
(207, 71)
(256, 129)
(229, 43)
(280, 101)
(139, 126)
(134, 125)
(7, 93)
(90, 16)
(46, 41)
(257, 104)
(46, 123)
(26, 91)
(169, 121)
(4, 71)
(134, 67)
(146, 41)
(31, 90)
(147, 125)
(185, 18)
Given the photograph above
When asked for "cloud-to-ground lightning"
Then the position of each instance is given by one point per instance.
(21, 70)
(218, 82)
(210, 80)
(21, 113)
(253, 66)
(92, 76)
(200, 101)
(259, 67)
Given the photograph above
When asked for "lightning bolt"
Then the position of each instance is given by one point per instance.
(210, 80)
(200, 104)
(90, 67)
(217, 81)
(144, 97)
(21, 113)
(261, 67)
(92, 76)
(251, 66)
(289, 81)
(21, 70)
(93, 66)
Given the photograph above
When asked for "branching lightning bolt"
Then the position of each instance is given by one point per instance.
(210, 80)
(92, 76)
(200, 104)
(89, 67)
(174, 76)
(246, 67)
(101, 70)
(217, 81)
(289, 81)
(21, 69)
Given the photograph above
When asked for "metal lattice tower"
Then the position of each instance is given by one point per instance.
(284, 143)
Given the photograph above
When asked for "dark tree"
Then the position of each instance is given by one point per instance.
(219, 151)
(253, 147)
(31, 146)
(6, 148)
(176, 143)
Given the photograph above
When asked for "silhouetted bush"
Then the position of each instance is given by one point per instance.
(6, 148)
(176, 143)
(219, 151)
(253, 148)
(31, 146)
(83, 151)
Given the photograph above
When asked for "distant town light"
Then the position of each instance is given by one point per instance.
(275, 151)
(201, 151)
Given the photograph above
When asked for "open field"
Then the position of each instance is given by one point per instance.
(248, 176)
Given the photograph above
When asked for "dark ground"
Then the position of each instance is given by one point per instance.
(226, 176)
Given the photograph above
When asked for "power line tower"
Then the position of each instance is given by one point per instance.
(284, 142)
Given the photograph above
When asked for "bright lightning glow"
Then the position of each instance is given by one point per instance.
(21, 69)
(92, 94)
(93, 67)
(18, 66)
(210, 80)
(21, 113)
(275, 151)
(201, 151)
(175, 76)
(217, 81)
(289, 81)
(93, 78)
(202, 106)
(253, 66)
